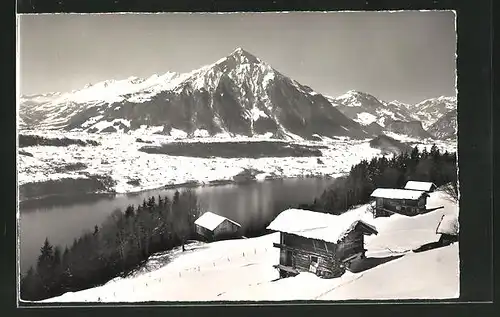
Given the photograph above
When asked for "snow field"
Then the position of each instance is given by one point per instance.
(118, 156)
(241, 270)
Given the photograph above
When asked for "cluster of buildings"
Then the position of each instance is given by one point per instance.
(409, 201)
(327, 244)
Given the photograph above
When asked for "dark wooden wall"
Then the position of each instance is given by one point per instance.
(226, 229)
(402, 206)
(204, 233)
(353, 243)
(299, 251)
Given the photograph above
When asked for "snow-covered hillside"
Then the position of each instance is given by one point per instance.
(431, 110)
(379, 116)
(242, 269)
(446, 126)
(118, 157)
(366, 109)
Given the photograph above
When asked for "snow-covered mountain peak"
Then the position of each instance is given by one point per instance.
(239, 93)
(399, 104)
(240, 66)
(238, 50)
(243, 57)
(354, 98)
(449, 102)
(430, 110)
(378, 115)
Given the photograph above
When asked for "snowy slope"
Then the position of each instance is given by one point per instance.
(379, 116)
(446, 126)
(242, 269)
(417, 120)
(431, 110)
(119, 157)
(366, 109)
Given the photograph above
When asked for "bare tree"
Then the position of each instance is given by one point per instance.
(451, 190)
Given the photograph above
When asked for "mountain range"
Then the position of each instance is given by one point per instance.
(237, 95)
(378, 116)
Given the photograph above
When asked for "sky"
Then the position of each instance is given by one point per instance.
(406, 56)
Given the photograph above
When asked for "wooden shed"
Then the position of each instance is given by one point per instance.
(401, 201)
(211, 227)
(320, 243)
(448, 229)
(422, 186)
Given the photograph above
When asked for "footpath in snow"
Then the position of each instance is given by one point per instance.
(241, 270)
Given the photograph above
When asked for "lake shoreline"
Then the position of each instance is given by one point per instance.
(252, 204)
(28, 204)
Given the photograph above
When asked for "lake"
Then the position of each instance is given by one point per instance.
(250, 204)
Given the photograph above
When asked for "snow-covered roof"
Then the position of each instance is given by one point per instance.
(416, 185)
(396, 193)
(210, 221)
(448, 224)
(317, 225)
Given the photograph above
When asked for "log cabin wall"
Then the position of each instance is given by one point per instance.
(204, 233)
(422, 202)
(226, 229)
(303, 251)
(410, 203)
(402, 206)
(351, 244)
(284, 260)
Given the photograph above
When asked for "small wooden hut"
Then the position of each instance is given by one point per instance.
(448, 229)
(422, 186)
(401, 201)
(320, 243)
(211, 227)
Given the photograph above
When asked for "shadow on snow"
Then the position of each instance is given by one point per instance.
(369, 263)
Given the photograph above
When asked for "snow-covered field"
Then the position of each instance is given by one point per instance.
(118, 156)
(241, 270)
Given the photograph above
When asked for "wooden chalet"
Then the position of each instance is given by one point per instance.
(401, 201)
(448, 229)
(422, 186)
(320, 243)
(211, 227)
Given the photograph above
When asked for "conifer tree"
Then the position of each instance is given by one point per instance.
(57, 256)
(129, 212)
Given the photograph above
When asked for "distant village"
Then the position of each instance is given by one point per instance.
(328, 245)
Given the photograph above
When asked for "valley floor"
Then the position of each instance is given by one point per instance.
(118, 157)
(241, 270)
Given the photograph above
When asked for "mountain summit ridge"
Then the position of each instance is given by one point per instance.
(378, 116)
(237, 95)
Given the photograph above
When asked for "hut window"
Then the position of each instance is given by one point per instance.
(314, 259)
